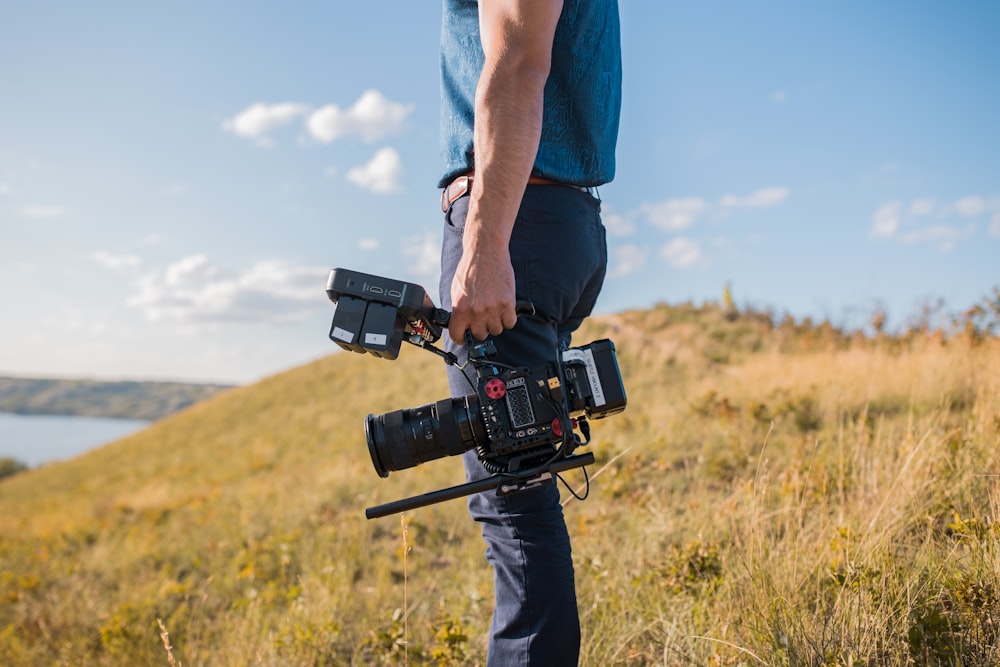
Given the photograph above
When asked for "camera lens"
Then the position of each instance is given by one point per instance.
(406, 438)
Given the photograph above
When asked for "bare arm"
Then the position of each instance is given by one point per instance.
(517, 38)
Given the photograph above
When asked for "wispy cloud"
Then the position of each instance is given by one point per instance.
(174, 190)
(885, 219)
(971, 207)
(371, 117)
(423, 253)
(681, 253)
(195, 291)
(115, 262)
(677, 214)
(617, 224)
(923, 220)
(922, 207)
(259, 119)
(381, 174)
(763, 198)
(41, 212)
(943, 236)
(626, 260)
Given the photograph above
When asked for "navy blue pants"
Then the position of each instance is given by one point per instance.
(559, 253)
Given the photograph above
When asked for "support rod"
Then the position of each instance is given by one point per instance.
(467, 489)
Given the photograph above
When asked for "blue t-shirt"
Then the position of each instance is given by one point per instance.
(582, 93)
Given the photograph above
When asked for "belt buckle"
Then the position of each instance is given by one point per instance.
(454, 191)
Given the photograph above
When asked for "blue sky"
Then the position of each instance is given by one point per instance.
(177, 179)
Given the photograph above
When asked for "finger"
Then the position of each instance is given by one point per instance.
(459, 338)
(456, 329)
(480, 331)
(509, 319)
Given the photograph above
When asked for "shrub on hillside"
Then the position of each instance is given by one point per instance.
(10, 467)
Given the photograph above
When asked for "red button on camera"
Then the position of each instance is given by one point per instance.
(495, 389)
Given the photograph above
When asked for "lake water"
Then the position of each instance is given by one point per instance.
(37, 439)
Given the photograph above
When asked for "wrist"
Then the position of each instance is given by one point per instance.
(484, 236)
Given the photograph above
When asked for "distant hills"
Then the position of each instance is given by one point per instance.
(95, 398)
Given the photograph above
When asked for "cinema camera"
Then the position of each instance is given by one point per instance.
(522, 422)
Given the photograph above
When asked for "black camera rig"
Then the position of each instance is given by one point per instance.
(522, 422)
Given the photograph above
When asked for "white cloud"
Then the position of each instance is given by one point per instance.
(37, 212)
(4, 189)
(259, 119)
(372, 117)
(115, 262)
(763, 198)
(626, 259)
(681, 252)
(970, 207)
(192, 270)
(616, 224)
(368, 244)
(381, 174)
(943, 236)
(174, 190)
(885, 220)
(675, 214)
(779, 97)
(922, 207)
(195, 291)
(424, 253)
(924, 221)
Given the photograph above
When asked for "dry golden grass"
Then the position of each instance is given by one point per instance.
(776, 495)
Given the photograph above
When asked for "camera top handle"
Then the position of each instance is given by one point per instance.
(439, 318)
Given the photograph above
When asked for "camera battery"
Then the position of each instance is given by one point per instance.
(607, 393)
(382, 332)
(606, 361)
(348, 319)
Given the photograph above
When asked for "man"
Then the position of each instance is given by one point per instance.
(531, 91)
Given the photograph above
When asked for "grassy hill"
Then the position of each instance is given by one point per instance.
(774, 494)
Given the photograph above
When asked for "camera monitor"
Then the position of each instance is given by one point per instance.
(374, 314)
